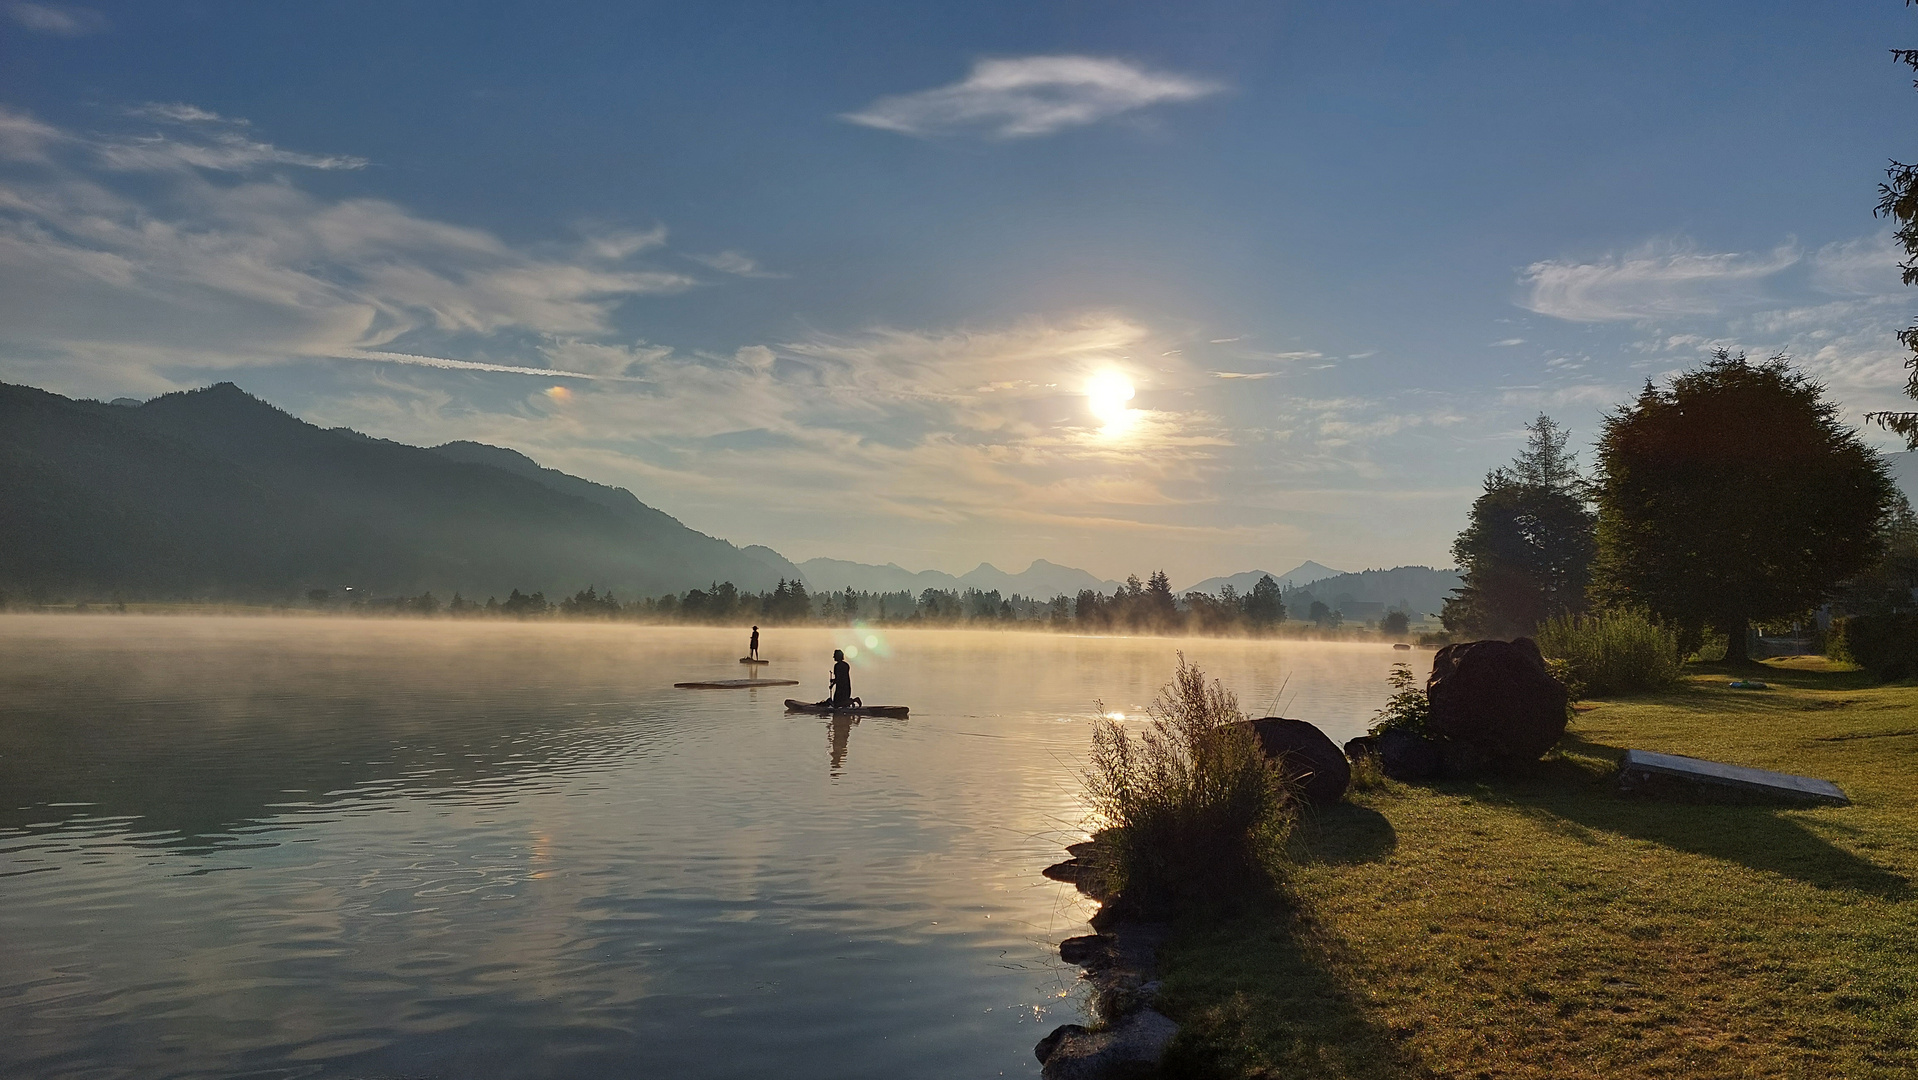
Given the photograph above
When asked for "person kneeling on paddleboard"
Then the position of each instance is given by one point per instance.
(841, 683)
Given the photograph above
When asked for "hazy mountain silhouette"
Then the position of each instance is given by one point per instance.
(1421, 589)
(833, 575)
(1303, 574)
(214, 493)
(1042, 580)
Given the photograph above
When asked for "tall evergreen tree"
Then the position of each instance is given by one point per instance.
(1526, 551)
(1161, 605)
(1735, 495)
(1898, 200)
(1265, 604)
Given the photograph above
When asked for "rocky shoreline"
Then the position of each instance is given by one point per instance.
(1119, 959)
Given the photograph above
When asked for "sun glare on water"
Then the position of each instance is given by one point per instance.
(1106, 395)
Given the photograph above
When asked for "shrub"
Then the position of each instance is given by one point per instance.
(1408, 708)
(1886, 645)
(1612, 653)
(1191, 808)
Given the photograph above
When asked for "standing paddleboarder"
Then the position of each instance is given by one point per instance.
(752, 647)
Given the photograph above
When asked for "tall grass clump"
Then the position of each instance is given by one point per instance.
(1614, 652)
(1190, 807)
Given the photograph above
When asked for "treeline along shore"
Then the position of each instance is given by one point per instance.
(1136, 607)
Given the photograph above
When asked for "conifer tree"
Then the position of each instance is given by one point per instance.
(1526, 552)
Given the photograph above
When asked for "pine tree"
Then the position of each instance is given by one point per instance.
(1527, 550)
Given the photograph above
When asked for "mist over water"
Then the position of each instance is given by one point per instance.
(320, 847)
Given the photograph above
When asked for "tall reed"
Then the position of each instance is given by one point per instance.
(1190, 807)
(1614, 652)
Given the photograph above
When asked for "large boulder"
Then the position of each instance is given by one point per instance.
(1496, 697)
(1129, 1048)
(1305, 757)
(1401, 754)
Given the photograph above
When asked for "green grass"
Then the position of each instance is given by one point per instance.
(1543, 926)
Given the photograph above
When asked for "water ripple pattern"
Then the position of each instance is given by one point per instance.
(333, 848)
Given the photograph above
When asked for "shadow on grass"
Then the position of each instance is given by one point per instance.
(1759, 837)
(1271, 1007)
(1341, 835)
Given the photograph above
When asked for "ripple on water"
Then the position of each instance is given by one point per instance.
(330, 848)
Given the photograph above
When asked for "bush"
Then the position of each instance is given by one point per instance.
(1886, 645)
(1408, 708)
(1612, 653)
(1191, 808)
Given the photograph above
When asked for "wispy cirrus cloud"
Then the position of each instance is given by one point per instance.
(732, 262)
(60, 20)
(1659, 280)
(102, 267)
(202, 138)
(1835, 310)
(1029, 96)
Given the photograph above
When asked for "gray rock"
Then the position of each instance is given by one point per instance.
(1067, 871)
(1402, 755)
(1497, 697)
(1088, 950)
(1130, 1048)
(1306, 758)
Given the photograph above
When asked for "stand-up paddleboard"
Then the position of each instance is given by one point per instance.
(733, 684)
(895, 712)
(750, 660)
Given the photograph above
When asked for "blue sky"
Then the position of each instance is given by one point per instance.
(834, 277)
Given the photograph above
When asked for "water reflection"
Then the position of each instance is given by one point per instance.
(839, 732)
(328, 848)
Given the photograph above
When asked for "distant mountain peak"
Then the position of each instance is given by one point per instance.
(1308, 572)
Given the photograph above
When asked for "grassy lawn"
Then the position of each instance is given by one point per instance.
(1544, 926)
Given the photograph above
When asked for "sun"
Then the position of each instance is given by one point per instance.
(1106, 395)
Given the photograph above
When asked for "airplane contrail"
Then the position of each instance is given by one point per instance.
(475, 365)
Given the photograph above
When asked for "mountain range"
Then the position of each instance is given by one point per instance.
(214, 493)
(1042, 580)
(1303, 574)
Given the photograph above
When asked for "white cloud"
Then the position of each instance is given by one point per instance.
(1867, 266)
(60, 20)
(732, 262)
(179, 112)
(1508, 342)
(1033, 95)
(224, 151)
(616, 244)
(603, 359)
(227, 273)
(1654, 281)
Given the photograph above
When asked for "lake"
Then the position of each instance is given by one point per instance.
(287, 847)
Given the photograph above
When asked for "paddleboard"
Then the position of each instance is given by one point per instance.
(733, 684)
(896, 712)
(750, 660)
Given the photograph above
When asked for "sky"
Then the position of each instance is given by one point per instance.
(1126, 286)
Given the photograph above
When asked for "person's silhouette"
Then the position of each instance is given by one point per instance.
(752, 646)
(841, 684)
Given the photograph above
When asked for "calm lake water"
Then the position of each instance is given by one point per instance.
(333, 848)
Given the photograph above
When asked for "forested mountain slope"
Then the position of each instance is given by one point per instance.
(214, 493)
